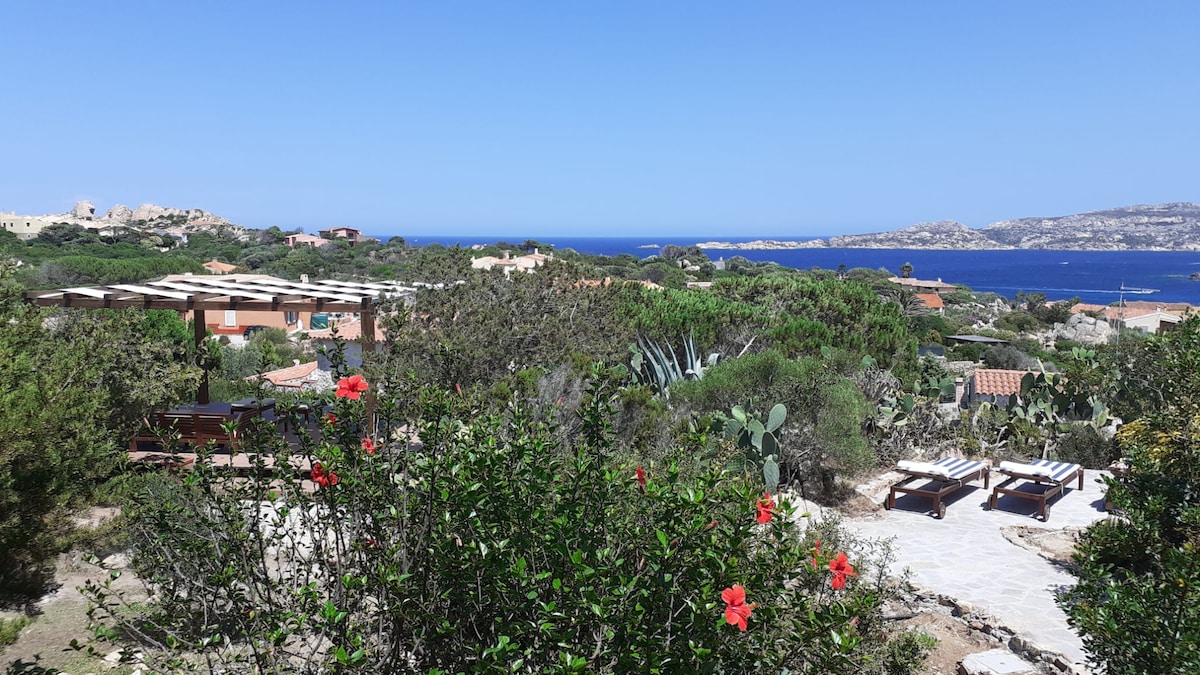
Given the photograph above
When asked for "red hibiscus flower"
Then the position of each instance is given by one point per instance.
(331, 418)
(351, 387)
(841, 569)
(322, 477)
(766, 509)
(736, 609)
(816, 552)
(641, 478)
(369, 446)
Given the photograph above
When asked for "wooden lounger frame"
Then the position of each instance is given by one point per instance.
(948, 486)
(1040, 497)
(194, 429)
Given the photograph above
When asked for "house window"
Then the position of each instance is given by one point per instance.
(290, 317)
(231, 317)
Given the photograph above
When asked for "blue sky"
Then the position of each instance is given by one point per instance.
(602, 118)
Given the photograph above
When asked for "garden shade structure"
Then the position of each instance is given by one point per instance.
(200, 294)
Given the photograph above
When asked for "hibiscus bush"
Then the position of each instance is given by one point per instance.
(459, 540)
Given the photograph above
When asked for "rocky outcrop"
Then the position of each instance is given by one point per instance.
(945, 234)
(1084, 329)
(762, 245)
(148, 213)
(84, 211)
(152, 215)
(119, 214)
(1158, 227)
(1167, 227)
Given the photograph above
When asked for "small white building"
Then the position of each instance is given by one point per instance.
(25, 227)
(1157, 321)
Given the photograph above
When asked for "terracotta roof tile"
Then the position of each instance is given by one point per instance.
(284, 376)
(931, 300)
(218, 266)
(998, 382)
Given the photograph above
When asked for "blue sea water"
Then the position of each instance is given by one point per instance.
(1093, 276)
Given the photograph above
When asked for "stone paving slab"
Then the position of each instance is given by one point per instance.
(994, 662)
(965, 556)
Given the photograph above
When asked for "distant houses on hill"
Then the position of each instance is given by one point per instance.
(922, 286)
(524, 263)
(1146, 316)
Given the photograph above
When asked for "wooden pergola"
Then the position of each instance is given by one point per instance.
(199, 294)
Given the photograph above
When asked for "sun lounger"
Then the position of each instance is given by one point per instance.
(1040, 472)
(948, 474)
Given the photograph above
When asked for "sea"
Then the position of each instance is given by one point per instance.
(1101, 277)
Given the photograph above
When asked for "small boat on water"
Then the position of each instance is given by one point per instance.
(1194, 276)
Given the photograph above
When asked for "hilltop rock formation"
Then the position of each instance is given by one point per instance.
(945, 234)
(1167, 227)
(1156, 227)
(153, 215)
(84, 211)
(119, 214)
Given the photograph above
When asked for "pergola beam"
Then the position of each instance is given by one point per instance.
(201, 294)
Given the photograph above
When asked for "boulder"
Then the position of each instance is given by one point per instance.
(119, 214)
(84, 211)
(1085, 329)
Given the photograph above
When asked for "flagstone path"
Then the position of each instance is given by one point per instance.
(966, 556)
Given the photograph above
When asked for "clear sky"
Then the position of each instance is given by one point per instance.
(600, 118)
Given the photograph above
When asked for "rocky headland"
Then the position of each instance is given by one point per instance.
(145, 216)
(1155, 227)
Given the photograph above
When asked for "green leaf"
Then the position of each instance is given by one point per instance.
(776, 417)
(770, 472)
(770, 446)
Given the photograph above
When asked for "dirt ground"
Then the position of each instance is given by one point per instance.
(955, 641)
(61, 617)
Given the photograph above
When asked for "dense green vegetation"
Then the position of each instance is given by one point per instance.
(73, 387)
(481, 545)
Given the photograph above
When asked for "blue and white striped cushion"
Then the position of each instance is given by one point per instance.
(1059, 471)
(1044, 468)
(959, 467)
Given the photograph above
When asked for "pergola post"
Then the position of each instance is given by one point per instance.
(367, 319)
(199, 332)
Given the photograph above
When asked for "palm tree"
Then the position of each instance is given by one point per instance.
(906, 270)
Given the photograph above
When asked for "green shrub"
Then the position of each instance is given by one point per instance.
(10, 630)
(491, 547)
(1136, 601)
(76, 386)
(1083, 444)
(907, 653)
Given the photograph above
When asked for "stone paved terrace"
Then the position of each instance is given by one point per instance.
(965, 556)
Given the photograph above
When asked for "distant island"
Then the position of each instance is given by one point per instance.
(1158, 227)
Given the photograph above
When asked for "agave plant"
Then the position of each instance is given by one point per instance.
(657, 364)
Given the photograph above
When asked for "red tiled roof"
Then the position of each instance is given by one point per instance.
(998, 382)
(1133, 310)
(217, 266)
(285, 377)
(931, 300)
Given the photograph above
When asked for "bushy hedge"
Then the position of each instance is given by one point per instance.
(473, 542)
